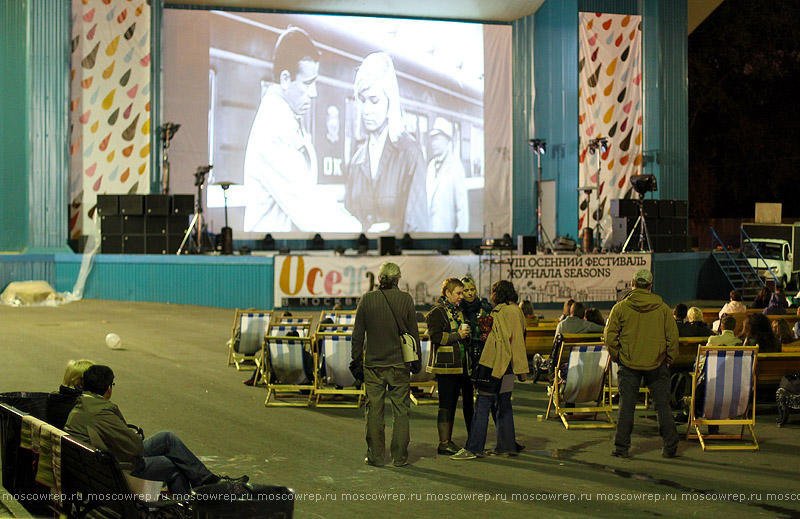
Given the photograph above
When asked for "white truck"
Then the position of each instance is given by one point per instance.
(776, 244)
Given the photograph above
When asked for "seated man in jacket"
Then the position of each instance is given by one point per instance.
(98, 422)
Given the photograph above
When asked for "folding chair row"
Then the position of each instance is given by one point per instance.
(333, 377)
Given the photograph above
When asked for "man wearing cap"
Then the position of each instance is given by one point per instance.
(445, 183)
(642, 337)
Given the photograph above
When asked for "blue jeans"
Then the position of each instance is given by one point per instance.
(166, 458)
(657, 381)
(506, 435)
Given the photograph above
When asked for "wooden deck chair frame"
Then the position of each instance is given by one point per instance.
(345, 317)
(747, 420)
(276, 387)
(322, 387)
(236, 358)
(334, 328)
(603, 403)
(423, 380)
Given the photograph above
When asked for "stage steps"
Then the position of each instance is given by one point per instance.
(738, 271)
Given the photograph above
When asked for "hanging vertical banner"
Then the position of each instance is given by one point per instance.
(610, 107)
(588, 277)
(109, 104)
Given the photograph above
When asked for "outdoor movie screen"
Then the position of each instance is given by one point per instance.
(340, 124)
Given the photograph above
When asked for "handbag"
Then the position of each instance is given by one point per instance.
(407, 341)
(483, 380)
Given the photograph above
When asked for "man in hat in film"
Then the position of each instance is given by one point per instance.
(445, 185)
(642, 337)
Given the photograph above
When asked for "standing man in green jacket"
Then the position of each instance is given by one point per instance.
(642, 337)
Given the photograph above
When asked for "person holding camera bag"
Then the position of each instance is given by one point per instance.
(382, 316)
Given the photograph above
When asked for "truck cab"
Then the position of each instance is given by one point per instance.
(776, 253)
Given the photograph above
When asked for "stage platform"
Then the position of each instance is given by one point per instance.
(171, 374)
(248, 281)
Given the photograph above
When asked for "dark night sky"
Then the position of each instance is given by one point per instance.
(744, 109)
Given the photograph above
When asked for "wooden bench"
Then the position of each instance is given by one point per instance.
(712, 314)
(539, 339)
(771, 367)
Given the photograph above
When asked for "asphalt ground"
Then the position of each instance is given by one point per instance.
(172, 374)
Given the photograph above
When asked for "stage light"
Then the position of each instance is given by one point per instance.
(317, 243)
(539, 146)
(407, 242)
(643, 184)
(268, 243)
(456, 242)
(600, 143)
(362, 244)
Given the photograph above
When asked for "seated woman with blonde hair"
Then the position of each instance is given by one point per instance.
(61, 402)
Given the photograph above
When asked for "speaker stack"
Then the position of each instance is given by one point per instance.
(667, 221)
(143, 224)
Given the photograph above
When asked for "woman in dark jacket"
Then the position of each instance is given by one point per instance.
(450, 361)
(475, 308)
(758, 332)
(60, 403)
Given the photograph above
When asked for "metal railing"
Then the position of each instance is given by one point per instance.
(717, 242)
(746, 238)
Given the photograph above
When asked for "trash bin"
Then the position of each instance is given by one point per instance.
(237, 501)
(19, 465)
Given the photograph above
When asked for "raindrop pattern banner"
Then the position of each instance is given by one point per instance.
(610, 105)
(109, 105)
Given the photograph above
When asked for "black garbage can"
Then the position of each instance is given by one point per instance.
(19, 465)
(237, 501)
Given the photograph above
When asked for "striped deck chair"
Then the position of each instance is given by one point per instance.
(335, 349)
(249, 327)
(345, 317)
(284, 369)
(585, 385)
(727, 386)
(424, 381)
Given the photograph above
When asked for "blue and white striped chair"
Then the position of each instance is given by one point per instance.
(345, 317)
(585, 387)
(335, 350)
(249, 327)
(282, 364)
(725, 392)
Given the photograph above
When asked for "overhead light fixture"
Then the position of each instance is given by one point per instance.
(600, 143)
(539, 146)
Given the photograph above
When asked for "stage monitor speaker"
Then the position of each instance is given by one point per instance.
(526, 244)
(681, 208)
(182, 204)
(111, 244)
(111, 224)
(650, 208)
(666, 208)
(107, 204)
(131, 204)
(157, 205)
(133, 224)
(680, 226)
(387, 245)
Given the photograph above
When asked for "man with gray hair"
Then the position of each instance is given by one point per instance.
(381, 317)
(642, 337)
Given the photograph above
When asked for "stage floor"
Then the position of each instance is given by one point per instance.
(171, 374)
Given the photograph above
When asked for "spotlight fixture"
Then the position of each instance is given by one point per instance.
(643, 184)
(539, 146)
(600, 143)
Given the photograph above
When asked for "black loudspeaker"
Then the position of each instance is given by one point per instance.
(157, 205)
(182, 204)
(680, 226)
(111, 224)
(650, 208)
(155, 244)
(624, 207)
(526, 244)
(133, 224)
(681, 209)
(111, 244)
(177, 224)
(131, 204)
(108, 204)
(387, 245)
(666, 208)
(155, 225)
(133, 244)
